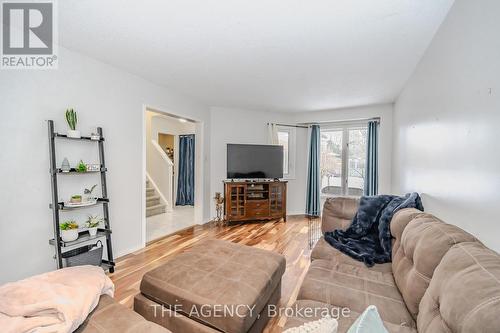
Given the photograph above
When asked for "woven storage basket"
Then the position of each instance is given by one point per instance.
(85, 255)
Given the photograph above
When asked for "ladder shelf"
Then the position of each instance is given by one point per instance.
(57, 207)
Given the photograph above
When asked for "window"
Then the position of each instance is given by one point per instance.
(286, 138)
(343, 160)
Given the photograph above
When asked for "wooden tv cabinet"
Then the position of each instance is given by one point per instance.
(254, 200)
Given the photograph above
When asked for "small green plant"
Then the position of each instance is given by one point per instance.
(81, 167)
(69, 225)
(71, 118)
(89, 191)
(93, 221)
(76, 198)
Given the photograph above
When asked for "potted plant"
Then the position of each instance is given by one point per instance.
(72, 120)
(69, 231)
(81, 167)
(92, 224)
(88, 193)
(76, 199)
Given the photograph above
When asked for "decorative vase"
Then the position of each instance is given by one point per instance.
(74, 134)
(69, 235)
(93, 231)
(88, 197)
(65, 167)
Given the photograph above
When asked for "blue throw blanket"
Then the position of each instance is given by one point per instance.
(368, 238)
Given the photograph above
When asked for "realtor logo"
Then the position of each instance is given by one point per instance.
(28, 35)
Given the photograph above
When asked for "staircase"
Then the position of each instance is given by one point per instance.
(154, 205)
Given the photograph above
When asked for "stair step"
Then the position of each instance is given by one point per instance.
(150, 191)
(152, 200)
(155, 210)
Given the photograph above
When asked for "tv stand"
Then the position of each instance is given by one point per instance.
(254, 200)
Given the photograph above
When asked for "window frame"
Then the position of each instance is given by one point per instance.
(344, 127)
(292, 139)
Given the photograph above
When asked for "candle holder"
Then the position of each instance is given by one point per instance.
(219, 204)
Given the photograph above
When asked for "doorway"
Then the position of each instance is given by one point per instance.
(169, 166)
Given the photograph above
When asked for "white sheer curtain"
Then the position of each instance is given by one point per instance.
(272, 134)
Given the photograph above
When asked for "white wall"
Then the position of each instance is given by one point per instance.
(446, 124)
(103, 96)
(245, 126)
(240, 126)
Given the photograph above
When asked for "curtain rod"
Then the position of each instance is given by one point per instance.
(306, 125)
(377, 119)
(288, 125)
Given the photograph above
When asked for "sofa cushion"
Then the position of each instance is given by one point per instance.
(323, 250)
(338, 213)
(424, 241)
(110, 316)
(321, 325)
(219, 273)
(464, 293)
(398, 224)
(355, 287)
(299, 317)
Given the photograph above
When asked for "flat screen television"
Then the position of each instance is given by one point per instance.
(254, 161)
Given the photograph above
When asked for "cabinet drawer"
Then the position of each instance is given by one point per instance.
(257, 212)
(257, 204)
(257, 208)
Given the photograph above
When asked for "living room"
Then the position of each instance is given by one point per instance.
(363, 101)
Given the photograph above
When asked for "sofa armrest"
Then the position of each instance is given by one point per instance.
(338, 213)
(112, 317)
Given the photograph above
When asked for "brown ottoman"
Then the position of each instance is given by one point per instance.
(215, 286)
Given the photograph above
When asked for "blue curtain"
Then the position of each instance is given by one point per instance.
(185, 179)
(371, 178)
(313, 205)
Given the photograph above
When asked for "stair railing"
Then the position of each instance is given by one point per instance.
(161, 172)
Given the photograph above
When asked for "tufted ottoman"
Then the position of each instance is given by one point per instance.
(215, 286)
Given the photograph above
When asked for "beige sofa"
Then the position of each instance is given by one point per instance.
(441, 279)
(111, 317)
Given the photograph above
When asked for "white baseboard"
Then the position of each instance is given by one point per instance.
(128, 251)
(295, 213)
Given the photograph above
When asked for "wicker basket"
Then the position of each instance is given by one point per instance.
(85, 255)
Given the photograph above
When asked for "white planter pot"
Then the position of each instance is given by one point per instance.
(93, 231)
(69, 235)
(74, 134)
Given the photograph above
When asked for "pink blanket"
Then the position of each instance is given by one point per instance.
(57, 301)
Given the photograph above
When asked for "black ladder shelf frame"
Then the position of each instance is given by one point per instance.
(57, 206)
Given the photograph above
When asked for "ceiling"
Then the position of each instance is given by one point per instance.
(282, 55)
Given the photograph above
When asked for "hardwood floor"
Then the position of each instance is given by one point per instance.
(288, 238)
